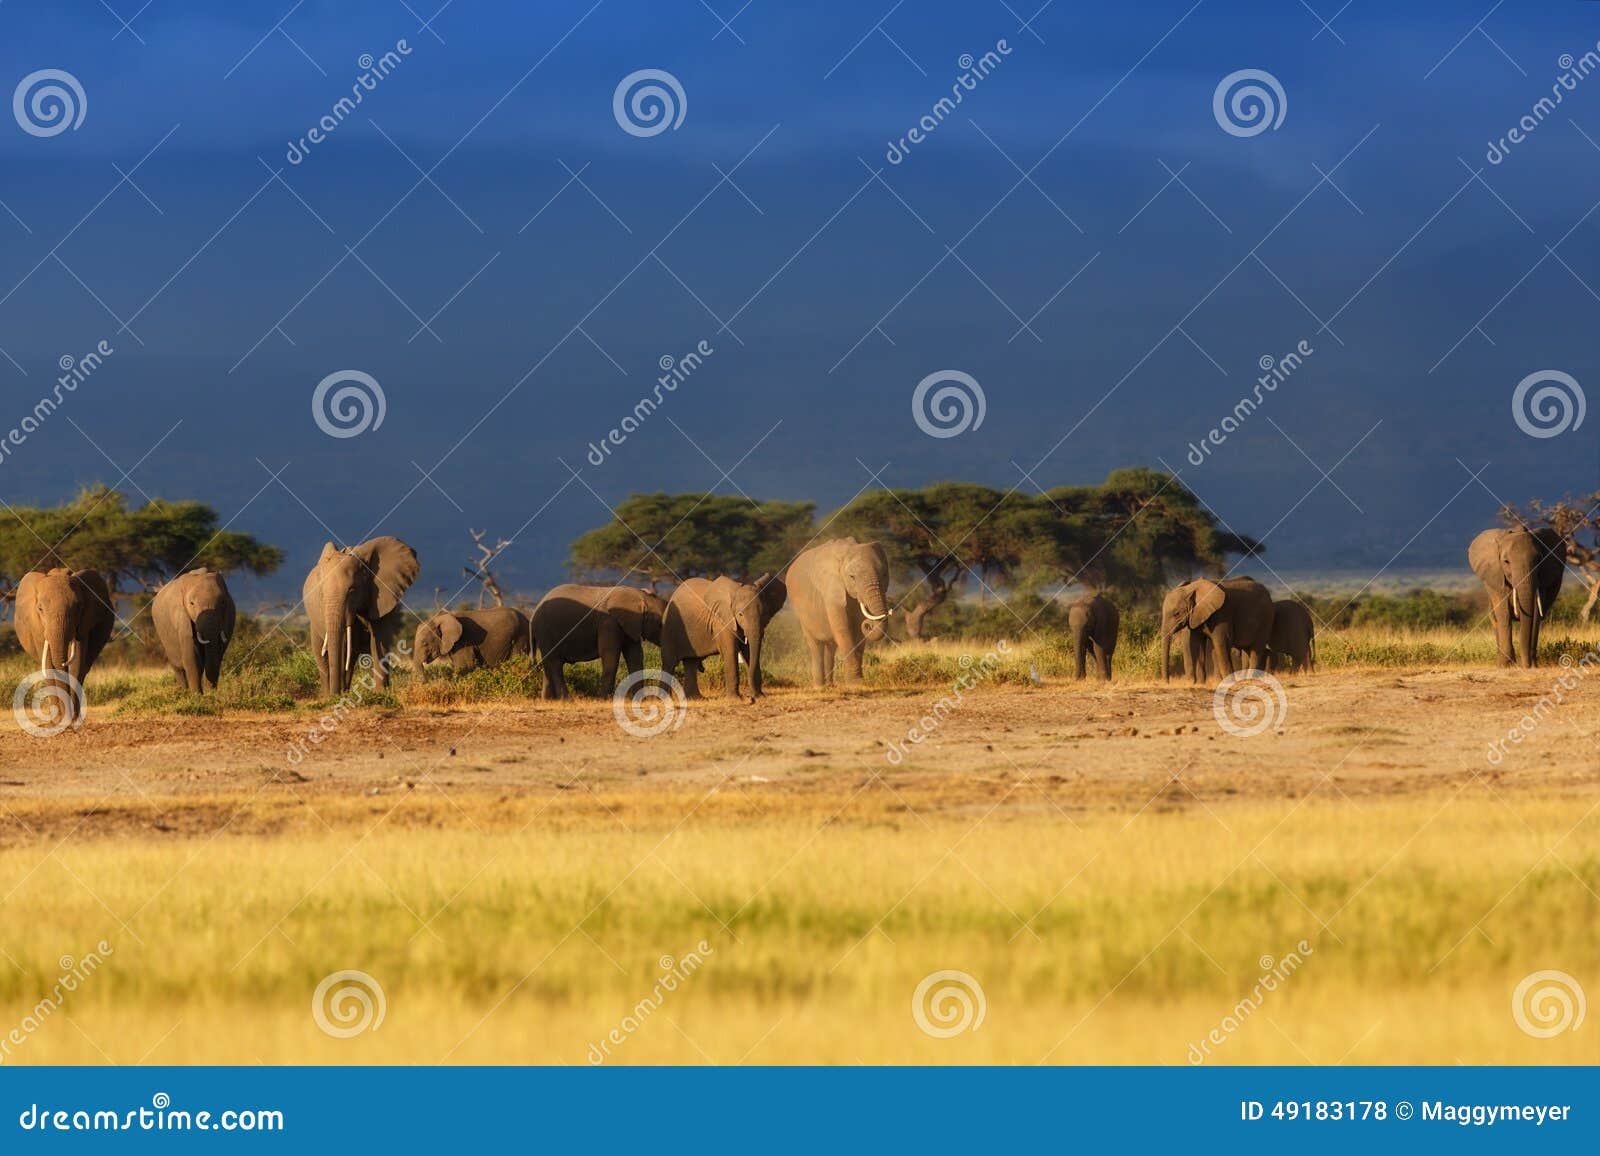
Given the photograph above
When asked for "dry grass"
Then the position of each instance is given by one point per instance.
(1095, 937)
(1106, 863)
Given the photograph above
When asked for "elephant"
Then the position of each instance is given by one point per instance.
(194, 616)
(64, 619)
(353, 599)
(1235, 613)
(1293, 643)
(839, 591)
(574, 623)
(719, 616)
(1521, 569)
(1093, 621)
(472, 638)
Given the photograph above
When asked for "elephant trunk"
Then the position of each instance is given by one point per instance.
(752, 636)
(335, 647)
(1080, 649)
(874, 613)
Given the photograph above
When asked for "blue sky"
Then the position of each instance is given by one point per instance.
(1156, 258)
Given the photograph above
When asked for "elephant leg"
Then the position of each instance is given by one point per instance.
(1080, 654)
(830, 655)
(556, 673)
(191, 670)
(633, 655)
(691, 678)
(608, 670)
(815, 649)
(1102, 661)
(1501, 613)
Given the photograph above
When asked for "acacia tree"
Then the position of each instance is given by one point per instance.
(1139, 532)
(666, 537)
(143, 547)
(939, 535)
(1577, 520)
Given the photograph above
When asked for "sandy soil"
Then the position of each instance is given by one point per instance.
(1357, 734)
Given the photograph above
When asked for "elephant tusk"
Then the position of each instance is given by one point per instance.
(72, 651)
(44, 659)
(224, 636)
(1516, 608)
(348, 658)
(868, 615)
(1539, 601)
(201, 639)
(324, 648)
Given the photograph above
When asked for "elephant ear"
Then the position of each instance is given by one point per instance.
(773, 594)
(98, 616)
(24, 622)
(449, 628)
(394, 568)
(1484, 558)
(1208, 599)
(628, 609)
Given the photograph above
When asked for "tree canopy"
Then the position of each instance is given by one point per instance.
(145, 546)
(665, 537)
(1135, 534)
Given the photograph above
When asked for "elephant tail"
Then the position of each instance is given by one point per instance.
(1311, 654)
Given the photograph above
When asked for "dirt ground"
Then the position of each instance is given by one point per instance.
(1353, 733)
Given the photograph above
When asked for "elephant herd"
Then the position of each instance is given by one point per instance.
(838, 591)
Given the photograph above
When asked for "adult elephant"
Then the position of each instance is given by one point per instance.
(719, 616)
(1521, 569)
(1092, 621)
(1235, 613)
(574, 623)
(64, 619)
(472, 638)
(194, 616)
(839, 591)
(353, 599)
(1293, 644)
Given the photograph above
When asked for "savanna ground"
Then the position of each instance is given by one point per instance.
(1110, 865)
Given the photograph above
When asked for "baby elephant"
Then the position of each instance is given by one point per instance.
(1293, 645)
(473, 638)
(719, 616)
(1093, 622)
(194, 616)
(574, 623)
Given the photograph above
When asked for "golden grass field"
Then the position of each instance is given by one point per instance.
(1108, 864)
